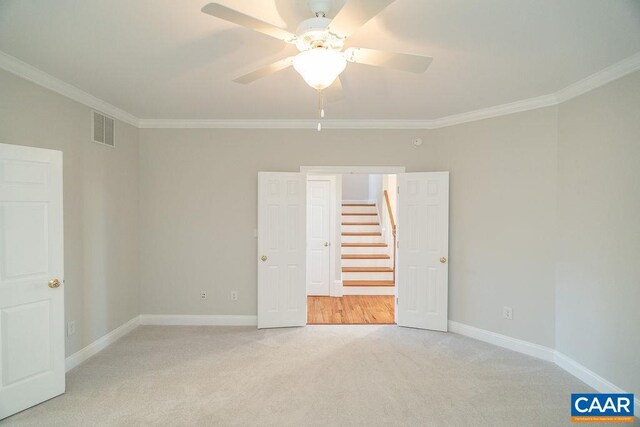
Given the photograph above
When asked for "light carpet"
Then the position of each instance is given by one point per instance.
(317, 375)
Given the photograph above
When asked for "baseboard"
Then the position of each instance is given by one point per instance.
(100, 344)
(337, 289)
(521, 346)
(198, 320)
(588, 377)
(579, 371)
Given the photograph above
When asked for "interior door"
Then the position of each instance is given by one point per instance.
(423, 250)
(282, 296)
(31, 274)
(319, 237)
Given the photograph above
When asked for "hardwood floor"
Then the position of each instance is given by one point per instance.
(350, 309)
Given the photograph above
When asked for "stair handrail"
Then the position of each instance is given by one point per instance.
(393, 223)
(393, 231)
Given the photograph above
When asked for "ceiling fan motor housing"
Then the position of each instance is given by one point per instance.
(313, 33)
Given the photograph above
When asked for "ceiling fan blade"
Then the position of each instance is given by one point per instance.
(354, 14)
(334, 92)
(265, 71)
(379, 58)
(223, 12)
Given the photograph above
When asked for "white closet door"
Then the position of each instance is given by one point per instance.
(31, 275)
(282, 296)
(423, 250)
(319, 237)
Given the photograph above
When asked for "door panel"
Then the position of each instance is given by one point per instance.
(422, 255)
(31, 254)
(319, 237)
(282, 299)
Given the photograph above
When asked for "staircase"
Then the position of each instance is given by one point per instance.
(367, 268)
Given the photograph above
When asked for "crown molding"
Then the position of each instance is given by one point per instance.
(39, 77)
(496, 111)
(284, 124)
(607, 75)
(380, 124)
(601, 78)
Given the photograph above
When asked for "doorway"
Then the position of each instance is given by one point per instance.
(420, 274)
(351, 224)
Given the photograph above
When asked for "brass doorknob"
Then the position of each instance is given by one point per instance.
(326, 243)
(443, 260)
(263, 258)
(54, 283)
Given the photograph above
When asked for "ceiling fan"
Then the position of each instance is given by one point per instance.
(320, 41)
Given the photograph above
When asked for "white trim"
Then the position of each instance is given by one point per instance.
(495, 111)
(39, 77)
(337, 290)
(521, 346)
(198, 320)
(352, 169)
(563, 361)
(600, 78)
(100, 344)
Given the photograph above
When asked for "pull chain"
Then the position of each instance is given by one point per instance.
(321, 109)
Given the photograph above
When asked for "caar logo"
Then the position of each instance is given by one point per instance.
(598, 408)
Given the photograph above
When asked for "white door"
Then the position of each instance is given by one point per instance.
(319, 237)
(31, 260)
(423, 250)
(282, 296)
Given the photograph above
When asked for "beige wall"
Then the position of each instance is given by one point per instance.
(544, 215)
(598, 276)
(100, 204)
(198, 212)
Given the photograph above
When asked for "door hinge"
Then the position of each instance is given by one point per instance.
(396, 300)
(398, 192)
(398, 244)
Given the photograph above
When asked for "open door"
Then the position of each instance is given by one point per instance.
(423, 250)
(31, 277)
(282, 295)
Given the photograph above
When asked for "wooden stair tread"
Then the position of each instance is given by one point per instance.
(364, 245)
(366, 256)
(367, 270)
(359, 214)
(368, 283)
(358, 204)
(360, 223)
(365, 233)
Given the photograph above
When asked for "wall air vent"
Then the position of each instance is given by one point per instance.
(103, 129)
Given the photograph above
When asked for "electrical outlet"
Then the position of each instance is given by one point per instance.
(71, 327)
(507, 313)
(203, 294)
(234, 295)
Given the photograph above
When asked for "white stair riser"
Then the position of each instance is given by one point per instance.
(364, 250)
(359, 218)
(367, 263)
(359, 209)
(361, 228)
(367, 276)
(368, 290)
(362, 239)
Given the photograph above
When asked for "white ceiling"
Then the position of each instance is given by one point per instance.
(167, 60)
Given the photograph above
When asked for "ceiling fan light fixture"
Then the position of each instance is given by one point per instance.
(319, 67)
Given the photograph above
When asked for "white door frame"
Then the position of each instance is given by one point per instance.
(332, 227)
(337, 290)
(375, 170)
